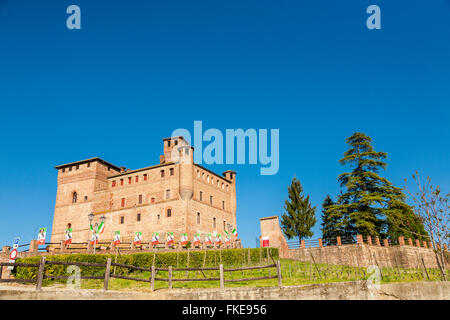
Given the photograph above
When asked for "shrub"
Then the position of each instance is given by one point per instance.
(229, 257)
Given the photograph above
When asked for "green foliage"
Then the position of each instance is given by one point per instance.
(299, 216)
(370, 204)
(228, 257)
(329, 223)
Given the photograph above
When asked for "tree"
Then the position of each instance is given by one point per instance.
(299, 216)
(329, 223)
(368, 200)
(432, 206)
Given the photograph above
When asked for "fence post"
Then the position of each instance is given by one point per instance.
(320, 242)
(62, 246)
(107, 273)
(170, 277)
(359, 239)
(339, 241)
(303, 244)
(222, 282)
(278, 272)
(401, 241)
(410, 242)
(386, 242)
(152, 281)
(369, 240)
(40, 274)
(33, 246)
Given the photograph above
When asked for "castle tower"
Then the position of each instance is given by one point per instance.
(231, 176)
(186, 161)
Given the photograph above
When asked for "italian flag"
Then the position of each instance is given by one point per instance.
(184, 239)
(234, 232)
(101, 227)
(91, 227)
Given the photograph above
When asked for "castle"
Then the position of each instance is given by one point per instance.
(175, 195)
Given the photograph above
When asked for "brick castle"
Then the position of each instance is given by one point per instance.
(175, 195)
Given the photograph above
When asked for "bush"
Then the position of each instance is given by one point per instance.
(229, 257)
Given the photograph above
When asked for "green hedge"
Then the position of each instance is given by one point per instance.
(229, 257)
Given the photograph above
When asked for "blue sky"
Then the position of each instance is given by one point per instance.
(137, 70)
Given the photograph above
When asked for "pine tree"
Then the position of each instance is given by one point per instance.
(299, 216)
(370, 204)
(329, 223)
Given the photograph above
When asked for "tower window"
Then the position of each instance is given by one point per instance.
(121, 182)
(214, 222)
(169, 213)
(224, 225)
(159, 217)
(138, 217)
(85, 198)
(70, 168)
(171, 171)
(123, 202)
(211, 200)
(145, 177)
(168, 194)
(88, 164)
(140, 199)
(129, 180)
(114, 183)
(223, 205)
(153, 200)
(201, 196)
(137, 178)
(162, 173)
(74, 197)
(77, 167)
(198, 217)
(122, 219)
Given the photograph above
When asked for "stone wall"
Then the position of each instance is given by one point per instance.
(364, 255)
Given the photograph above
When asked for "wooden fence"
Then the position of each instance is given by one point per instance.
(153, 270)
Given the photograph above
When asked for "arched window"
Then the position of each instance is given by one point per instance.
(169, 213)
(74, 197)
(198, 217)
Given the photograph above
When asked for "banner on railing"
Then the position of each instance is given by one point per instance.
(197, 239)
(137, 238)
(41, 236)
(68, 236)
(155, 238)
(116, 238)
(94, 238)
(184, 239)
(170, 239)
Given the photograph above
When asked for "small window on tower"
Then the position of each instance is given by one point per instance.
(122, 219)
(77, 167)
(138, 217)
(162, 173)
(114, 183)
(145, 177)
(63, 170)
(168, 194)
(129, 180)
(169, 213)
(211, 200)
(140, 199)
(88, 164)
(201, 196)
(123, 202)
(223, 205)
(153, 200)
(171, 171)
(137, 179)
(121, 182)
(198, 217)
(214, 222)
(85, 198)
(168, 143)
(74, 197)
(176, 142)
(70, 168)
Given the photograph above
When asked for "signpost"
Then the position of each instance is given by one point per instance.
(13, 253)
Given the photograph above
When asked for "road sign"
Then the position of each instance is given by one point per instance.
(13, 254)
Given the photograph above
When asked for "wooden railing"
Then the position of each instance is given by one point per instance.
(153, 271)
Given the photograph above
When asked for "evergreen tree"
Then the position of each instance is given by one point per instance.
(370, 205)
(299, 216)
(329, 223)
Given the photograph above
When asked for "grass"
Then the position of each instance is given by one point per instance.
(293, 273)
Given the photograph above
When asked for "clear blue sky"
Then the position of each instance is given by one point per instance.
(139, 69)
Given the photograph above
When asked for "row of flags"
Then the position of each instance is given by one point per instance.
(209, 238)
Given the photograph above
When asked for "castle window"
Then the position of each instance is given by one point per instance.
(223, 185)
(168, 194)
(159, 217)
(207, 178)
(63, 170)
(88, 164)
(218, 183)
(121, 182)
(153, 200)
(77, 167)
(223, 205)
(198, 217)
(214, 222)
(129, 180)
(203, 176)
(140, 199)
(162, 173)
(74, 197)
(169, 213)
(224, 225)
(211, 200)
(137, 179)
(122, 219)
(227, 188)
(145, 177)
(201, 196)
(123, 202)
(168, 143)
(138, 217)
(85, 198)
(70, 168)
(171, 171)
(176, 142)
(114, 183)
(109, 168)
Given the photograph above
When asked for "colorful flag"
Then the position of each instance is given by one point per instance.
(116, 238)
(196, 239)
(155, 238)
(227, 238)
(101, 227)
(41, 236)
(94, 239)
(169, 239)
(184, 239)
(265, 240)
(218, 239)
(234, 232)
(91, 226)
(68, 236)
(137, 238)
(208, 239)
